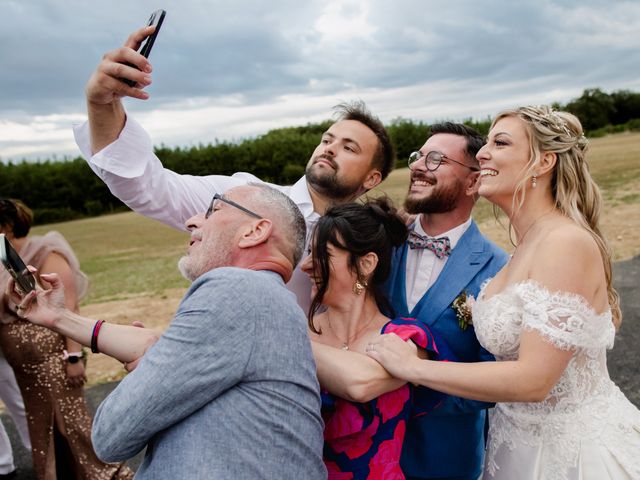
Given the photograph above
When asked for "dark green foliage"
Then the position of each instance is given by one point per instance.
(292, 173)
(598, 110)
(407, 136)
(64, 190)
(630, 126)
(594, 108)
(481, 126)
(626, 107)
(57, 191)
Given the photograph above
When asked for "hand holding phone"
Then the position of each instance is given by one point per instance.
(156, 20)
(24, 279)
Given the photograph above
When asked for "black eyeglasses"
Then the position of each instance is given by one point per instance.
(217, 197)
(433, 160)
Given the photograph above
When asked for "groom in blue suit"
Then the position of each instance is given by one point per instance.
(445, 256)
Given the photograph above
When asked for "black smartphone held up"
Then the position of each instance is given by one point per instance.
(24, 279)
(156, 19)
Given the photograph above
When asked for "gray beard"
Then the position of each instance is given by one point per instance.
(186, 269)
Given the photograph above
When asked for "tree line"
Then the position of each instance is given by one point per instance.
(65, 190)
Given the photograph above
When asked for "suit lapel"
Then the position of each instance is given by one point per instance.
(397, 283)
(466, 260)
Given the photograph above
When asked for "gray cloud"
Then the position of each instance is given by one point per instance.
(251, 52)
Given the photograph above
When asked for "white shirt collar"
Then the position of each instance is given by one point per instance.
(300, 195)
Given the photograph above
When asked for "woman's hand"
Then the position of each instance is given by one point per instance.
(394, 354)
(42, 307)
(76, 374)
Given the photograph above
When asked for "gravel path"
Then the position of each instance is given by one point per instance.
(624, 366)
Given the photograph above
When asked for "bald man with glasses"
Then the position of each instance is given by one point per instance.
(229, 390)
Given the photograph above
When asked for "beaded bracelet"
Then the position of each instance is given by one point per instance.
(94, 336)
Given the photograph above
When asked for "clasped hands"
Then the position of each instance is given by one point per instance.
(394, 354)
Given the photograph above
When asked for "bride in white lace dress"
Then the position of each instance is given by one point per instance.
(548, 317)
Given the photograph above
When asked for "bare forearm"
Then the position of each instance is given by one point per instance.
(351, 375)
(106, 121)
(505, 381)
(124, 343)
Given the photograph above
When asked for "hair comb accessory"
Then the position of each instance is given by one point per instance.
(556, 122)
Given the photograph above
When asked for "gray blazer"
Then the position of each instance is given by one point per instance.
(228, 392)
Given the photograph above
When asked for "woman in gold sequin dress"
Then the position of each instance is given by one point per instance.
(51, 385)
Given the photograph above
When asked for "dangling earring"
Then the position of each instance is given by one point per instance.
(359, 286)
(534, 181)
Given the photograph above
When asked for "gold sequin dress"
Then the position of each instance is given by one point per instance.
(57, 415)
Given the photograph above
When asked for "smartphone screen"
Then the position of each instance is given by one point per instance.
(15, 266)
(156, 19)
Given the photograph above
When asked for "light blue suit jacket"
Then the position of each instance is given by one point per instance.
(448, 442)
(228, 392)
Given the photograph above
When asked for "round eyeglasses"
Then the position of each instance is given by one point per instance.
(433, 160)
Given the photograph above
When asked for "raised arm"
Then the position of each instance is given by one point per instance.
(121, 153)
(106, 88)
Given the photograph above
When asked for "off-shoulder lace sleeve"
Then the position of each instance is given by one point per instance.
(565, 320)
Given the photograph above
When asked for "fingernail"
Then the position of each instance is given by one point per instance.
(147, 79)
(147, 68)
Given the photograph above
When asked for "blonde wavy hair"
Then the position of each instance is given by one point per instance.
(575, 193)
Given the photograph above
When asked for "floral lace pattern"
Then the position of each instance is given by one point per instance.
(584, 405)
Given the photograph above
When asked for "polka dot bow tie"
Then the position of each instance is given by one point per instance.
(440, 246)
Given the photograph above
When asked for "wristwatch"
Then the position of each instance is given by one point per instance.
(72, 357)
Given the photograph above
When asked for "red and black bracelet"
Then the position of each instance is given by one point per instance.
(94, 336)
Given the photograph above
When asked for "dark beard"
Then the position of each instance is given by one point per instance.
(328, 184)
(441, 200)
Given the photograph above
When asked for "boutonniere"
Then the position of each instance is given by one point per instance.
(462, 306)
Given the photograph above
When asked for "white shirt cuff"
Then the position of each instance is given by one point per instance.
(126, 157)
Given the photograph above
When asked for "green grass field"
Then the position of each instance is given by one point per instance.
(127, 255)
(124, 254)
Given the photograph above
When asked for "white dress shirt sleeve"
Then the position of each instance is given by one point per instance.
(135, 175)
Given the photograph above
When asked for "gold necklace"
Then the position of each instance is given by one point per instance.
(345, 345)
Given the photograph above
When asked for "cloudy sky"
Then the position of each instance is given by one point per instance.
(227, 70)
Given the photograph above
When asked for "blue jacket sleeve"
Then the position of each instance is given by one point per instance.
(451, 404)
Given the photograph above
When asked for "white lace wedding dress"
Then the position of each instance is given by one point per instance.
(585, 428)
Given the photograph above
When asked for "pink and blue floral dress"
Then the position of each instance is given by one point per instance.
(364, 440)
